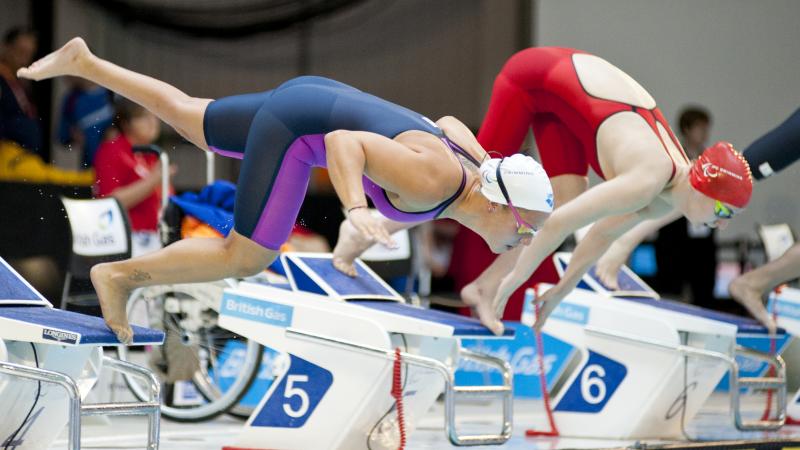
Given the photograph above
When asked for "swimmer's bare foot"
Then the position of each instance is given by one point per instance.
(746, 292)
(351, 245)
(68, 60)
(113, 298)
(482, 304)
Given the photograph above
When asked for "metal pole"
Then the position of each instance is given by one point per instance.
(49, 376)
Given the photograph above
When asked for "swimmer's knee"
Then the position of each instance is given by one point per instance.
(248, 264)
(245, 257)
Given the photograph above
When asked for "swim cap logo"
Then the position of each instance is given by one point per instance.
(711, 170)
(487, 176)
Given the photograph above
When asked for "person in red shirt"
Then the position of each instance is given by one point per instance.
(132, 178)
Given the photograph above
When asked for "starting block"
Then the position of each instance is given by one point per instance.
(341, 336)
(50, 358)
(784, 304)
(659, 358)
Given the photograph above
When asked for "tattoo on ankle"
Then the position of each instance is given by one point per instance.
(139, 275)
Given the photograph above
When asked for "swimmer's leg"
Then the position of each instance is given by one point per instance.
(180, 111)
(186, 261)
(750, 288)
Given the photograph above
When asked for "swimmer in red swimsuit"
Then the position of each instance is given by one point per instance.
(586, 112)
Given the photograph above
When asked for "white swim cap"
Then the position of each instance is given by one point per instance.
(526, 183)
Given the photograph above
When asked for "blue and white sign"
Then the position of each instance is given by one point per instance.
(593, 387)
(256, 310)
(784, 308)
(60, 336)
(570, 312)
(230, 364)
(296, 396)
(522, 355)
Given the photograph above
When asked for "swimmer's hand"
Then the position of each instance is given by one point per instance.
(351, 245)
(547, 302)
(608, 267)
(370, 227)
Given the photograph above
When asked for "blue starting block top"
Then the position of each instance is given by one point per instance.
(314, 272)
(462, 326)
(628, 283)
(66, 327)
(634, 289)
(743, 324)
(14, 290)
(26, 315)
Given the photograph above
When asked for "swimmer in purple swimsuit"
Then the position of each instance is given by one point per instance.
(413, 169)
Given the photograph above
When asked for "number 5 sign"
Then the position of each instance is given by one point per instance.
(296, 396)
(594, 385)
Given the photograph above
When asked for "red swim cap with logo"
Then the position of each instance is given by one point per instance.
(723, 174)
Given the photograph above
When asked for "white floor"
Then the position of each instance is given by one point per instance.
(712, 424)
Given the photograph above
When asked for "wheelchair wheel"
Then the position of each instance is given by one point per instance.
(205, 370)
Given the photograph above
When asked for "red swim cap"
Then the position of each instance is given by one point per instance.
(723, 174)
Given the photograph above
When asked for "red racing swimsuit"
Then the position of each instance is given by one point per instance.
(540, 89)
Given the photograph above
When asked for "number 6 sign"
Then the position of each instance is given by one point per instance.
(594, 386)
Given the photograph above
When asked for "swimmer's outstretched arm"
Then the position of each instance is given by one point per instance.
(180, 111)
(617, 254)
(597, 241)
(624, 194)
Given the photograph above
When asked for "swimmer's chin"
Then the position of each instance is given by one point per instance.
(502, 249)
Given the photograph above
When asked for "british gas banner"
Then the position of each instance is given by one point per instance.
(522, 355)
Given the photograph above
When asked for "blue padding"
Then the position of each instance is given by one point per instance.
(92, 329)
(303, 281)
(462, 325)
(744, 324)
(363, 284)
(277, 267)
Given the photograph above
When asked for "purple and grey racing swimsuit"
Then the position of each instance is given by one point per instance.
(279, 136)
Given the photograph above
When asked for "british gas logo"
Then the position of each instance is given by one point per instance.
(104, 220)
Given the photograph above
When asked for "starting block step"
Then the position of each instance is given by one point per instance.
(634, 289)
(314, 273)
(462, 326)
(54, 326)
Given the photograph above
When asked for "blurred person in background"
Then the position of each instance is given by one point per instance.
(133, 178)
(86, 113)
(18, 118)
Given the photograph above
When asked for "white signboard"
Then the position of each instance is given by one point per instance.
(98, 227)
